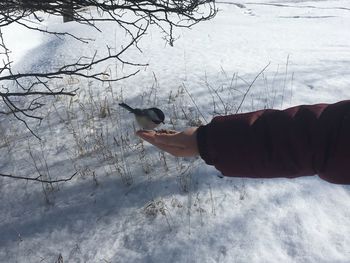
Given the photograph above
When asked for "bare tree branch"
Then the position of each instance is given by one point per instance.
(37, 179)
(134, 17)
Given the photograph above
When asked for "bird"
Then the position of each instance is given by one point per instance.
(148, 119)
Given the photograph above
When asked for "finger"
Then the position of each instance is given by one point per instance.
(166, 131)
(176, 151)
(146, 135)
(145, 132)
(161, 132)
(170, 139)
(149, 136)
(156, 138)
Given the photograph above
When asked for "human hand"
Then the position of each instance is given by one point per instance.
(180, 144)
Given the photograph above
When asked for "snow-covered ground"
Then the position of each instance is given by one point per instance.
(131, 203)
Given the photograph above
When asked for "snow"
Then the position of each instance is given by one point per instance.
(129, 202)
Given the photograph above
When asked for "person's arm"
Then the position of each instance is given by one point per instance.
(299, 141)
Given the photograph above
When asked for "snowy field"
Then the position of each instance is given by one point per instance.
(132, 203)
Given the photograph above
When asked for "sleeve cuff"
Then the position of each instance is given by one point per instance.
(203, 145)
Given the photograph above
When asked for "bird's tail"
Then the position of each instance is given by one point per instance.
(127, 107)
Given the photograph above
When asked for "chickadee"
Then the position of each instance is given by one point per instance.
(148, 119)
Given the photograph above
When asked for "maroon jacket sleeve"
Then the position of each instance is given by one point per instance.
(299, 141)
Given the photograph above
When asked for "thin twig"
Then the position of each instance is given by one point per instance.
(251, 84)
(194, 102)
